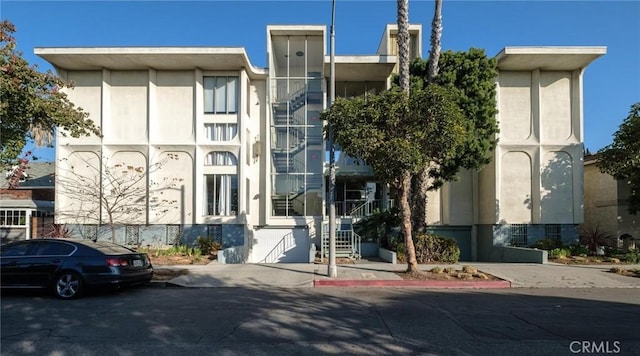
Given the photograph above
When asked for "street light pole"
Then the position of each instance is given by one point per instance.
(333, 269)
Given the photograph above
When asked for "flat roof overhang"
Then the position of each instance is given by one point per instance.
(361, 68)
(160, 58)
(548, 58)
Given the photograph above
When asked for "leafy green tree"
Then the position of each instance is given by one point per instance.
(471, 77)
(32, 104)
(395, 135)
(621, 159)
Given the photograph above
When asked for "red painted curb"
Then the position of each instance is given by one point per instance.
(410, 283)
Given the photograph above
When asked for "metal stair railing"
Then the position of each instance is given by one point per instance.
(348, 243)
(279, 249)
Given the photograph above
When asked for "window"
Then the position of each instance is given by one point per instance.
(54, 248)
(17, 249)
(13, 217)
(90, 232)
(174, 234)
(221, 194)
(220, 159)
(220, 95)
(553, 231)
(132, 235)
(518, 234)
(220, 132)
(215, 232)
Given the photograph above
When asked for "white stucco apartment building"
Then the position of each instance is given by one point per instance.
(237, 152)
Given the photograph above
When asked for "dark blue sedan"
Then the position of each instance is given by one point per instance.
(69, 266)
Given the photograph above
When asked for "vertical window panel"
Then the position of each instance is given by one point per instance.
(232, 100)
(220, 95)
(209, 88)
(220, 102)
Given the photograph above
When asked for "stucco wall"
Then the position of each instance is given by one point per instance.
(538, 161)
(154, 120)
(605, 204)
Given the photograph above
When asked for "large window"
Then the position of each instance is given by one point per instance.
(13, 217)
(221, 132)
(220, 95)
(221, 192)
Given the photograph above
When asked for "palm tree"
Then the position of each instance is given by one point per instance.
(405, 184)
(420, 181)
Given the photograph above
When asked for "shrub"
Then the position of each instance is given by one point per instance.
(593, 237)
(578, 250)
(435, 248)
(59, 231)
(436, 270)
(546, 244)
(560, 252)
(380, 227)
(397, 245)
(632, 256)
(207, 245)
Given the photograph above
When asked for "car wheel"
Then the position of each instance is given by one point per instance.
(68, 285)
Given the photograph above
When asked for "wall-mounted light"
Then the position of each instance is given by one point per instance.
(299, 53)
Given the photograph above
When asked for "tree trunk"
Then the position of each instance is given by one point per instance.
(419, 199)
(420, 181)
(403, 44)
(404, 185)
(436, 43)
(403, 188)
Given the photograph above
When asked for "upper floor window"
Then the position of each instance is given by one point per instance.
(220, 132)
(220, 158)
(220, 95)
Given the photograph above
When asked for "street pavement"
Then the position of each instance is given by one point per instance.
(380, 274)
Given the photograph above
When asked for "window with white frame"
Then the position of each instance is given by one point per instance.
(220, 132)
(221, 192)
(13, 217)
(220, 158)
(221, 189)
(220, 95)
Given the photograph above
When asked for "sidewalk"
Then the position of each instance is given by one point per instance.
(379, 274)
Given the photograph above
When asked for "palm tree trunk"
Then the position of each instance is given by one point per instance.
(403, 44)
(436, 42)
(420, 181)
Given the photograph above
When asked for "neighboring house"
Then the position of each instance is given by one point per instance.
(27, 211)
(606, 205)
(244, 158)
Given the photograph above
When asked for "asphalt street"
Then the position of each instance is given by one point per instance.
(242, 321)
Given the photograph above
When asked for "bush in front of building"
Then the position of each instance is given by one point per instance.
(430, 248)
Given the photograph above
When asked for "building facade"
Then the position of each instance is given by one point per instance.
(27, 211)
(199, 142)
(606, 206)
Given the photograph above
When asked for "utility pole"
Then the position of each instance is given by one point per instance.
(333, 269)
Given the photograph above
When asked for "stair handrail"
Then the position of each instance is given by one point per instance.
(276, 248)
(358, 210)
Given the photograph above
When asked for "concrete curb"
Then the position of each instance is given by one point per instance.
(411, 284)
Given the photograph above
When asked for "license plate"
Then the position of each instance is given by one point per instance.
(137, 263)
